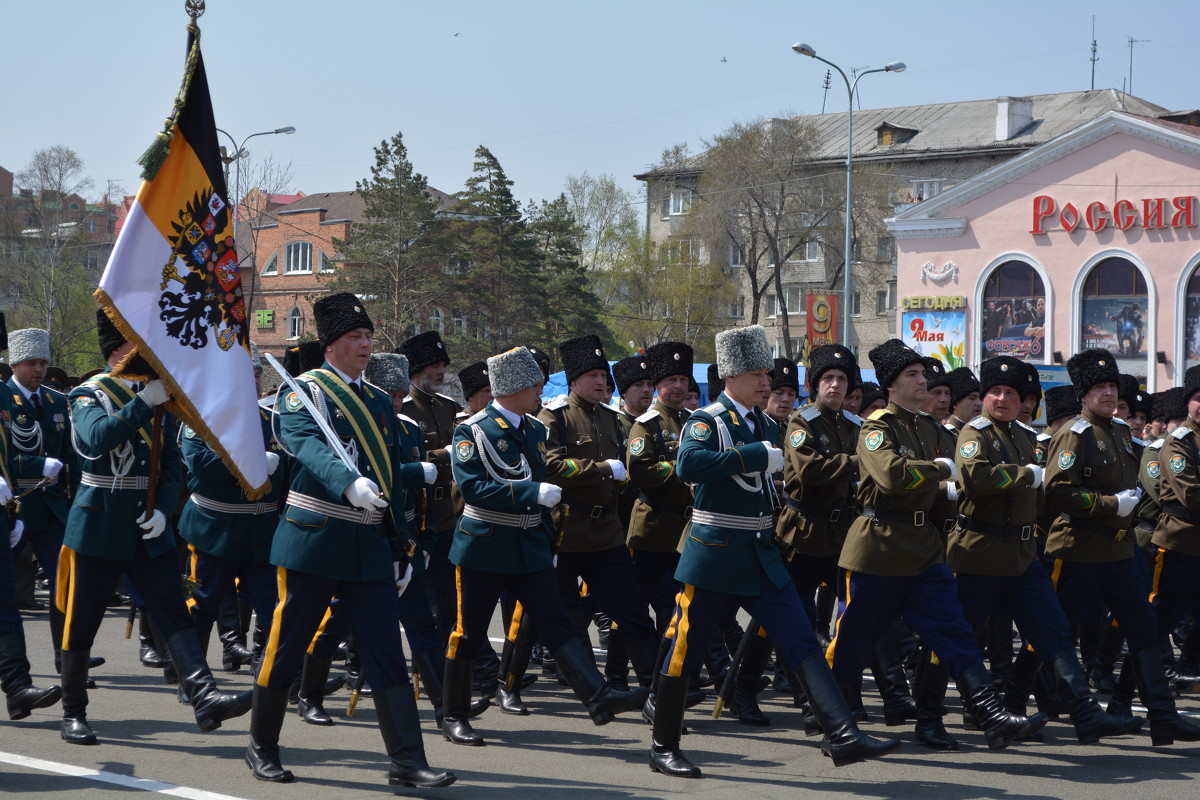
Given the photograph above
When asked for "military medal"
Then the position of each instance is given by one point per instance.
(1101, 446)
(502, 445)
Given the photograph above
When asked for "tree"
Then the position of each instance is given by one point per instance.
(265, 178)
(396, 256)
(606, 218)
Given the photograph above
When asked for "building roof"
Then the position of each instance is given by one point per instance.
(345, 205)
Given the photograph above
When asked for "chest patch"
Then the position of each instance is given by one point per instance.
(637, 446)
(1153, 469)
(699, 431)
(1066, 459)
(797, 438)
(969, 450)
(874, 440)
(1177, 464)
(464, 451)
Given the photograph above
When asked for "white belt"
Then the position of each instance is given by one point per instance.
(140, 483)
(234, 508)
(501, 518)
(732, 521)
(30, 483)
(363, 516)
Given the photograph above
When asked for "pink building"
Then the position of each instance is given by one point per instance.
(1089, 240)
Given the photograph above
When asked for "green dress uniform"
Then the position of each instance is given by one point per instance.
(1176, 586)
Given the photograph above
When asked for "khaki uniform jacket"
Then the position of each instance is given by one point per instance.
(663, 501)
(998, 506)
(1149, 507)
(436, 416)
(1090, 460)
(819, 473)
(575, 456)
(1179, 492)
(896, 452)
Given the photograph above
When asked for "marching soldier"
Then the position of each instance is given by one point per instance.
(111, 532)
(632, 376)
(476, 390)
(729, 554)
(502, 542)
(965, 402)
(1032, 397)
(785, 388)
(333, 540)
(937, 395)
(1091, 482)
(715, 384)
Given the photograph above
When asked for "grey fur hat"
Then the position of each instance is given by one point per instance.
(28, 344)
(513, 371)
(742, 350)
(388, 371)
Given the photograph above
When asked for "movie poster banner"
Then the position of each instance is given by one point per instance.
(1117, 324)
(1013, 326)
(820, 312)
(937, 333)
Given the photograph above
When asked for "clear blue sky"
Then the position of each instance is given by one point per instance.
(553, 88)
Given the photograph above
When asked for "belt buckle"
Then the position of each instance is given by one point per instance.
(1026, 533)
(919, 519)
(439, 492)
(597, 511)
(835, 515)
(1121, 534)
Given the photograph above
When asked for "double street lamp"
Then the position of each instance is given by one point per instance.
(895, 66)
(238, 152)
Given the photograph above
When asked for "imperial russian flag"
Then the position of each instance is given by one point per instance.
(173, 288)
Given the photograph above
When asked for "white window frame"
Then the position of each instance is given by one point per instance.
(325, 263)
(272, 267)
(888, 296)
(855, 304)
(437, 321)
(928, 188)
(458, 322)
(681, 202)
(737, 307)
(295, 324)
(297, 258)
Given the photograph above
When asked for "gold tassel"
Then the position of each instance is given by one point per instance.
(156, 154)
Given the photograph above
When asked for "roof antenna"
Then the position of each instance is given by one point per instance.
(1094, 57)
(1132, 42)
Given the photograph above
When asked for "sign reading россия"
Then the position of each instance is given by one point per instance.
(1149, 213)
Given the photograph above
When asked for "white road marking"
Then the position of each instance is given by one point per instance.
(142, 784)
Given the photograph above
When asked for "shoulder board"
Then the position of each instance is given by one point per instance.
(480, 416)
(923, 414)
(53, 395)
(1026, 427)
(949, 428)
(854, 419)
(536, 422)
(809, 413)
(608, 408)
(408, 419)
(649, 415)
(714, 408)
(409, 399)
(1121, 421)
(1044, 437)
(879, 413)
(1080, 425)
(1138, 441)
(1156, 445)
(554, 405)
(1181, 432)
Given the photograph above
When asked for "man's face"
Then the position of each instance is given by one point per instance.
(31, 373)
(397, 400)
(430, 379)
(479, 400)
(1137, 422)
(638, 396)
(592, 386)
(672, 390)
(526, 401)
(908, 390)
(1156, 428)
(1002, 403)
(853, 400)
(1194, 407)
(1101, 399)
(750, 388)
(968, 408)
(1122, 411)
(937, 402)
(831, 389)
(781, 403)
(1029, 408)
(1041, 307)
(351, 351)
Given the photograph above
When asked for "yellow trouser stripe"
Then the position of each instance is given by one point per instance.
(64, 594)
(1056, 573)
(514, 626)
(670, 632)
(193, 560)
(320, 630)
(268, 658)
(681, 623)
(1159, 556)
(457, 633)
(837, 626)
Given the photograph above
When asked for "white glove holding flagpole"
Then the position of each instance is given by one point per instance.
(154, 526)
(272, 462)
(154, 393)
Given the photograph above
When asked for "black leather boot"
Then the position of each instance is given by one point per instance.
(603, 702)
(1000, 727)
(57, 623)
(843, 741)
(230, 632)
(514, 660)
(266, 720)
(852, 694)
(665, 755)
(311, 697)
(616, 660)
(211, 707)
(930, 698)
(75, 729)
(430, 665)
(456, 704)
(1091, 722)
(748, 682)
(401, 729)
(643, 656)
(1104, 660)
(18, 687)
(887, 667)
(147, 651)
(1166, 726)
(1120, 703)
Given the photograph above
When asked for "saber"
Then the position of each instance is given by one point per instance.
(334, 441)
(734, 667)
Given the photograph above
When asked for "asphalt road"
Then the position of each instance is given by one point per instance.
(148, 742)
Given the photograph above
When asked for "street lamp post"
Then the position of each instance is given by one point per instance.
(238, 152)
(895, 66)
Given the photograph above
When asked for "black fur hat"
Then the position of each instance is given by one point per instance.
(338, 314)
(871, 393)
(935, 373)
(629, 371)
(541, 357)
(666, 359)
(961, 382)
(424, 350)
(1127, 389)
(110, 337)
(1034, 387)
(312, 355)
(1091, 367)
(715, 384)
(1191, 383)
(291, 361)
(693, 386)
(890, 359)
(1002, 371)
(784, 375)
(582, 354)
(1060, 402)
(1175, 403)
(475, 377)
(832, 356)
(1158, 406)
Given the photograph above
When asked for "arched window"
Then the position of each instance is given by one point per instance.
(1013, 316)
(1113, 313)
(295, 324)
(298, 258)
(437, 321)
(1191, 321)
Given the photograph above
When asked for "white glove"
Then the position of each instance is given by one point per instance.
(554, 561)
(5, 493)
(14, 535)
(1126, 501)
(549, 495)
(154, 393)
(51, 468)
(272, 462)
(402, 583)
(1038, 474)
(154, 526)
(950, 466)
(430, 472)
(618, 469)
(774, 459)
(951, 491)
(363, 493)
(428, 558)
